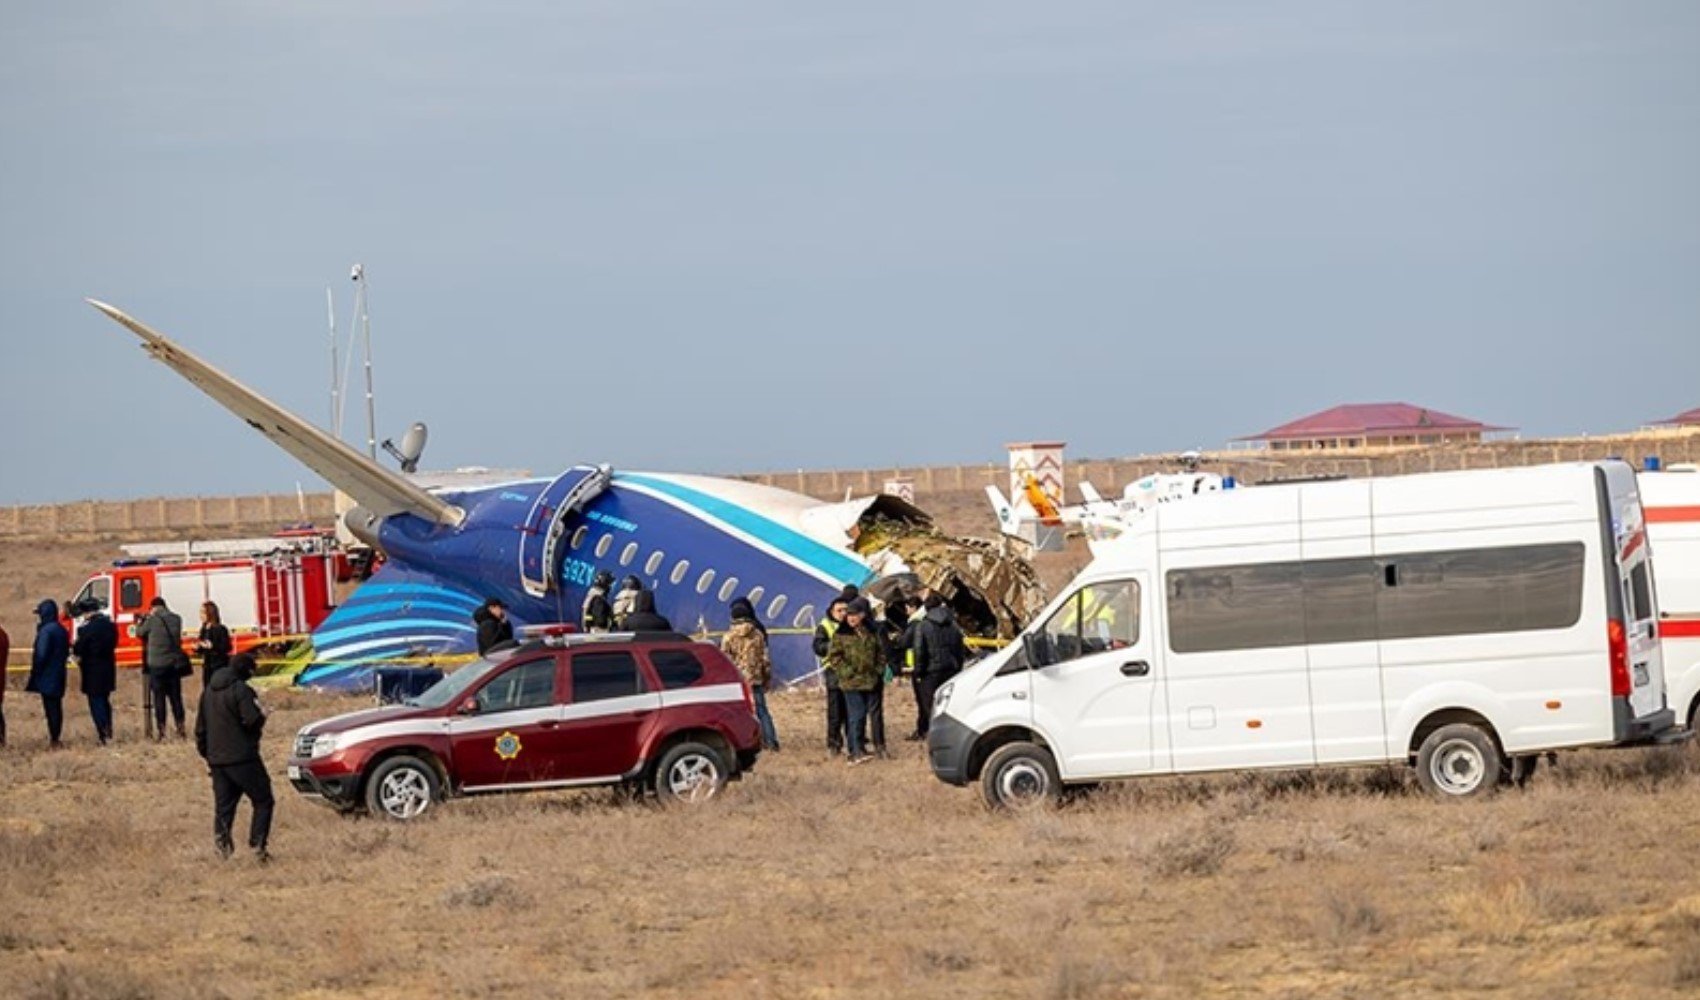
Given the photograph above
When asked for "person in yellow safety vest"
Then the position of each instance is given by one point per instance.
(836, 712)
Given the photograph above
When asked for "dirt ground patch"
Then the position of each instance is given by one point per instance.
(811, 879)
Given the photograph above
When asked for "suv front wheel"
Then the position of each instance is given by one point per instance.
(402, 788)
(690, 772)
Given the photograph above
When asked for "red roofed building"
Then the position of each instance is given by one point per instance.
(1373, 425)
(1688, 418)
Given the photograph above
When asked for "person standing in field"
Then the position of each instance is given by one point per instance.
(47, 669)
(163, 661)
(858, 658)
(835, 708)
(96, 649)
(746, 646)
(940, 651)
(214, 643)
(5, 652)
(228, 726)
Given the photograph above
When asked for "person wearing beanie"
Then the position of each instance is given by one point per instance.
(494, 629)
(856, 656)
(940, 651)
(597, 615)
(228, 726)
(624, 600)
(746, 646)
(836, 712)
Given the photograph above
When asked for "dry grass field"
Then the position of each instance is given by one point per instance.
(811, 879)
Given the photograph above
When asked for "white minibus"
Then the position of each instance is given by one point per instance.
(1465, 622)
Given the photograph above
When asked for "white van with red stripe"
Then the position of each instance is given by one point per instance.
(1464, 622)
(1672, 501)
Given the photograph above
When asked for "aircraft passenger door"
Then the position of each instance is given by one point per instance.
(1095, 698)
(505, 733)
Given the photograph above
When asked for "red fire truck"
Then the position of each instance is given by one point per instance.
(269, 591)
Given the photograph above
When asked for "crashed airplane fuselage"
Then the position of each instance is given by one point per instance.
(697, 542)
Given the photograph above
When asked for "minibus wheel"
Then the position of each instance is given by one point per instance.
(1019, 776)
(1460, 761)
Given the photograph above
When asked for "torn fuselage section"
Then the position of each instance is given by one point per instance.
(993, 593)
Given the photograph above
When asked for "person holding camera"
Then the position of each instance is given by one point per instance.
(164, 662)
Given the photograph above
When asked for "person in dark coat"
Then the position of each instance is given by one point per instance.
(494, 629)
(47, 668)
(837, 712)
(163, 659)
(5, 651)
(597, 615)
(228, 726)
(213, 645)
(96, 649)
(643, 617)
(940, 651)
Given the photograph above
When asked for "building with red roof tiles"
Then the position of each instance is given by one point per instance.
(1373, 425)
(1687, 418)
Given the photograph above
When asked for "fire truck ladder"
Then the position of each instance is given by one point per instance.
(274, 599)
(540, 539)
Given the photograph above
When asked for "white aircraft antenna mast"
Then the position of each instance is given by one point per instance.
(360, 297)
(336, 385)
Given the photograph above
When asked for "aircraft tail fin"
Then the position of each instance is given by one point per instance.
(1008, 523)
(371, 485)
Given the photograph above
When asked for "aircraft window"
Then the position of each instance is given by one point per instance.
(603, 544)
(579, 536)
(728, 588)
(680, 568)
(705, 581)
(774, 609)
(805, 617)
(628, 553)
(654, 562)
(755, 596)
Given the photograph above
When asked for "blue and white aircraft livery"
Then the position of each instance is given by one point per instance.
(697, 542)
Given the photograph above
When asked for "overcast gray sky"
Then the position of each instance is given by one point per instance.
(723, 237)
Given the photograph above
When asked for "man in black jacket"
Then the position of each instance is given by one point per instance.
(643, 617)
(228, 725)
(940, 651)
(96, 649)
(493, 625)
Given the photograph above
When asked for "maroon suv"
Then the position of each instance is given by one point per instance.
(648, 711)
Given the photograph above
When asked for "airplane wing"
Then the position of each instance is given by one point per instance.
(371, 485)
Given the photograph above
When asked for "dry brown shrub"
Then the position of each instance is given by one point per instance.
(485, 891)
(1198, 850)
(1077, 977)
(1685, 964)
(1347, 916)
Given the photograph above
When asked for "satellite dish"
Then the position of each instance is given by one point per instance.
(412, 446)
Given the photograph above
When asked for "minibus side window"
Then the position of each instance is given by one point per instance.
(1098, 618)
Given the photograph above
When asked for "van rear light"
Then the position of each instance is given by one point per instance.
(1617, 644)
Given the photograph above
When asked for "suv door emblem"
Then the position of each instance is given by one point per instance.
(507, 746)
